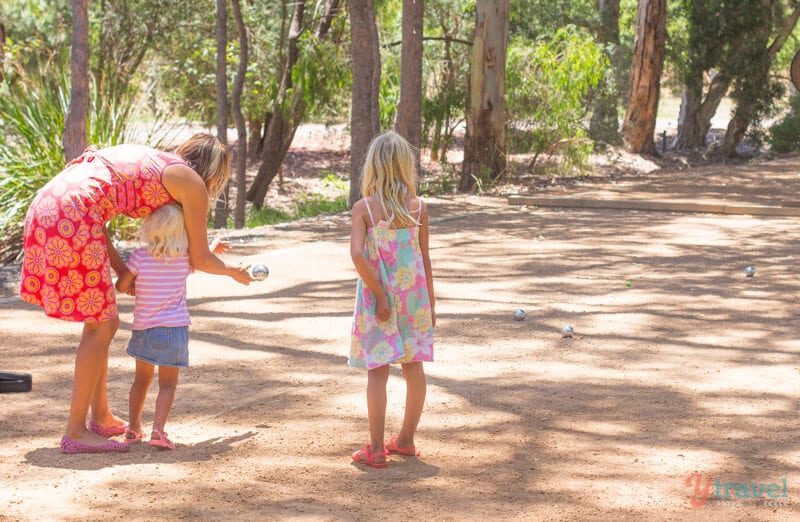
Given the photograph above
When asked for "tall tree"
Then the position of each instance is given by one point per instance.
(408, 119)
(485, 139)
(75, 134)
(291, 101)
(364, 112)
(604, 125)
(754, 89)
(648, 60)
(221, 207)
(241, 129)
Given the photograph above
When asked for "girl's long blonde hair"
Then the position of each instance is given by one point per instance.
(209, 158)
(390, 175)
(164, 232)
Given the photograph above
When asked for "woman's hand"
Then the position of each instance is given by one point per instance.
(219, 246)
(241, 274)
(382, 308)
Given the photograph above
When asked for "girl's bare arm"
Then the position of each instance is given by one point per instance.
(426, 258)
(358, 234)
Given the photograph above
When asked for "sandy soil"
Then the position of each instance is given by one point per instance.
(690, 372)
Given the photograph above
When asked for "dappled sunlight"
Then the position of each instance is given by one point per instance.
(690, 369)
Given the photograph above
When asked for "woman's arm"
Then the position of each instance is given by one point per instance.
(358, 234)
(188, 189)
(426, 258)
(125, 281)
(119, 266)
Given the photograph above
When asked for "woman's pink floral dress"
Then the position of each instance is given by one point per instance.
(407, 335)
(66, 269)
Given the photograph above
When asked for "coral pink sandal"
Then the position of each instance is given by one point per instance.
(106, 431)
(133, 436)
(392, 447)
(370, 457)
(162, 441)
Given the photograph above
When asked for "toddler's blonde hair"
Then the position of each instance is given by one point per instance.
(164, 232)
(390, 174)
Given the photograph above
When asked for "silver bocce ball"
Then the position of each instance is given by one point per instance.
(519, 314)
(259, 272)
(749, 271)
(567, 331)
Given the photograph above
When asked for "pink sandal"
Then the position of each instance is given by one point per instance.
(162, 441)
(392, 447)
(133, 436)
(370, 457)
(106, 431)
(69, 445)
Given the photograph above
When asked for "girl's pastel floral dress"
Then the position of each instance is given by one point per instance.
(407, 336)
(66, 269)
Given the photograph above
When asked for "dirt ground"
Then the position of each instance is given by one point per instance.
(689, 372)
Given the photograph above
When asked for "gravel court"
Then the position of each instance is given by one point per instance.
(690, 369)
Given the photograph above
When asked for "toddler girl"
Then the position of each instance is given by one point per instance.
(160, 331)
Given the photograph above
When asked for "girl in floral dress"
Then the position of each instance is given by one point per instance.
(394, 311)
(68, 254)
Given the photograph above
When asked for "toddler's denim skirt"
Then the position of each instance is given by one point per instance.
(161, 345)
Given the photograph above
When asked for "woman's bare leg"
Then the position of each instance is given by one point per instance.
(91, 362)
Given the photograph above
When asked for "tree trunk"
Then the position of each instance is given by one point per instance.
(639, 125)
(221, 207)
(2, 46)
(604, 125)
(289, 107)
(746, 109)
(241, 129)
(485, 139)
(75, 134)
(693, 129)
(280, 129)
(364, 112)
(408, 120)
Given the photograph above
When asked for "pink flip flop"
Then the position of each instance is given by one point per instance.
(106, 431)
(162, 441)
(69, 445)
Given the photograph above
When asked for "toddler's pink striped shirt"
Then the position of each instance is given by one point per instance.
(160, 290)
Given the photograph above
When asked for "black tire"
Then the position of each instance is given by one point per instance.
(15, 382)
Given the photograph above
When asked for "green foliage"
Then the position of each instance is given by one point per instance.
(31, 123)
(784, 136)
(547, 84)
(445, 67)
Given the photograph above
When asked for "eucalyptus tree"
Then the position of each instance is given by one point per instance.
(408, 120)
(75, 133)
(485, 139)
(730, 49)
(366, 66)
(221, 205)
(238, 117)
(648, 60)
(301, 80)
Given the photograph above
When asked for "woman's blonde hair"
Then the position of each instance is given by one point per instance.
(390, 174)
(209, 158)
(164, 232)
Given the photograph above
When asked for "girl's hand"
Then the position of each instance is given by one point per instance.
(382, 308)
(219, 246)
